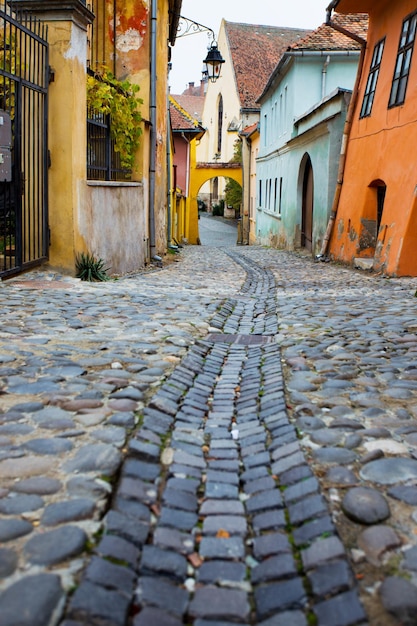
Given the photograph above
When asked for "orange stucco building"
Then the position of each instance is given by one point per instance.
(375, 216)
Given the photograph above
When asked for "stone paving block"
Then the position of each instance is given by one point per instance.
(279, 596)
(162, 594)
(322, 551)
(204, 622)
(227, 465)
(136, 489)
(220, 491)
(221, 572)
(106, 574)
(343, 610)
(223, 453)
(222, 476)
(188, 435)
(251, 450)
(151, 616)
(270, 520)
(285, 450)
(132, 508)
(286, 618)
(282, 439)
(147, 435)
(175, 518)
(287, 463)
(128, 528)
(189, 485)
(222, 548)
(141, 469)
(119, 549)
(219, 507)
(143, 450)
(177, 470)
(163, 404)
(31, 601)
(173, 539)
(189, 448)
(308, 508)
(180, 499)
(330, 579)
(269, 544)
(254, 473)
(92, 602)
(12, 528)
(295, 474)
(261, 459)
(311, 530)
(183, 458)
(232, 524)
(301, 489)
(156, 560)
(214, 603)
(260, 484)
(264, 501)
(274, 568)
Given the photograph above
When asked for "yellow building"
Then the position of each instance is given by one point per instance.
(186, 131)
(124, 222)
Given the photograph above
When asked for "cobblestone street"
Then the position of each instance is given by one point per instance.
(230, 440)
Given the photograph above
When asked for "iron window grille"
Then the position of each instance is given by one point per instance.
(103, 162)
(371, 84)
(403, 62)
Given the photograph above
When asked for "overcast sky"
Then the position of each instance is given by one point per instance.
(189, 52)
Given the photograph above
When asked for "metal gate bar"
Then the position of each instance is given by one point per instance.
(24, 77)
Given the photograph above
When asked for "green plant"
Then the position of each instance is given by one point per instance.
(218, 209)
(89, 268)
(109, 96)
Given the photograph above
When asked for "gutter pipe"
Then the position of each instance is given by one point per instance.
(346, 130)
(152, 133)
(169, 181)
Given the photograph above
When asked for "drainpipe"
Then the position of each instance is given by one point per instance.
(323, 76)
(169, 182)
(152, 133)
(346, 130)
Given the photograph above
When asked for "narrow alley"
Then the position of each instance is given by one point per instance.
(230, 440)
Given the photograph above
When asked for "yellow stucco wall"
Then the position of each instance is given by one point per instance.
(67, 138)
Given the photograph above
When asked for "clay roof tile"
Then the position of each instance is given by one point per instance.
(255, 51)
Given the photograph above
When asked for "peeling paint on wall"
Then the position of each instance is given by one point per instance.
(129, 40)
(77, 47)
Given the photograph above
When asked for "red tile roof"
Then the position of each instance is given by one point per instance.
(327, 38)
(255, 51)
(181, 120)
(192, 104)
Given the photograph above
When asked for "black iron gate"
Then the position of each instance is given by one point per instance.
(24, 77)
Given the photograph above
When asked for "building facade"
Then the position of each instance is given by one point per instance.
(376, 216)
(303, 111)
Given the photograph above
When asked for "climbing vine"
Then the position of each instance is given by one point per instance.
(108, 96)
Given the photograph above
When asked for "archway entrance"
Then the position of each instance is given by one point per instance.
(307, 207)
(199, 175)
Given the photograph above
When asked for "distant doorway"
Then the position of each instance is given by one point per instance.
(307, 207)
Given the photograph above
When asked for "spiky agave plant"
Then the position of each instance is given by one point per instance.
(88, 267)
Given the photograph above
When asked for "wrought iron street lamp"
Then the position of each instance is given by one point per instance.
(213, 62)
(214, 59)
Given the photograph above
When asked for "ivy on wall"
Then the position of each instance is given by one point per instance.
(108, 96)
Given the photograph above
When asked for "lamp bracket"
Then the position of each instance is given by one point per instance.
(190, 27)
